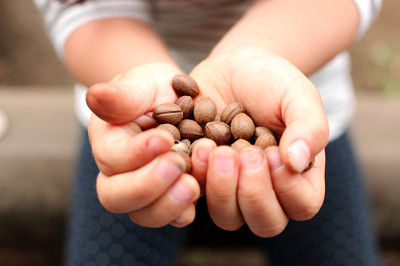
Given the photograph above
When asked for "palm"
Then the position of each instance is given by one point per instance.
(260, 89)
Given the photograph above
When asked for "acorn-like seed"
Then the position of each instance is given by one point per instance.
(185, 85)
(242, 126)
(240, 144)
(180, 147)
(173, 130)
(204, 110)
(190, 129)
(168, 113)
(261, 131)
(218, 132)
(230, 111)
(186, 103)
(188, 144)
(265, 140)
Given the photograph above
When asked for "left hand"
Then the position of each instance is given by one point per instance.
(263, 188)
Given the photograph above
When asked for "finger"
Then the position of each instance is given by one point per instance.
(221, 185)
(186, 217)
(257, 200)
(134, 190)
(133, 94)
(201, 150)
(307, 131)
(117, 149)
(278, 83)
(168, 207)
(301, 195)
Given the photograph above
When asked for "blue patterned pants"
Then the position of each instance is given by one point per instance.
(340, 234)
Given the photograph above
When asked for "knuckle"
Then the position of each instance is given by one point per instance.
(252, 197)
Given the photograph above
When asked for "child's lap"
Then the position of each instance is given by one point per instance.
(339, 234)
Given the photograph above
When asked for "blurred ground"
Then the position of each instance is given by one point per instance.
(37, 153)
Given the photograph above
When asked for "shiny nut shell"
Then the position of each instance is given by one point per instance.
(168, 113)
(240, 144)
(204, 110)
(186, 103)
(230, 111)
(185, 85)
(260, 131)
(190, 129)
(265, 140)
(242, 127)
(173, 130)
(218, 132)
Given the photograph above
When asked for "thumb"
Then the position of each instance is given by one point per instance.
(137, 92)
(307, 132)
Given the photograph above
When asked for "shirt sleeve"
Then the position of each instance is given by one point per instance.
(369, 10)
(63, 18)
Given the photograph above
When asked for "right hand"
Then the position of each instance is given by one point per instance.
(138, 175)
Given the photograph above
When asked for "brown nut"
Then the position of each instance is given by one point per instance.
(265, 140)
(168, 113)
(188, 144)
(261, 131)
(173, 130)
(186, 103)
(188, 162)
(218, 132)
(185, 85)
(242, 127)
(180, 147)
(190, 129)
(230, 111)
(240, 144)
(204, 110)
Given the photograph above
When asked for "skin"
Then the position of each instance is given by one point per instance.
(266, 72)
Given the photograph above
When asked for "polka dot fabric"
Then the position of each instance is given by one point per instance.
(340, 234)
(97, 237)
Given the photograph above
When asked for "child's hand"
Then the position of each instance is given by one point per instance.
(256, 187)
(133, 177)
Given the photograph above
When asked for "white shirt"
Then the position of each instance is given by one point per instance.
(190, 29)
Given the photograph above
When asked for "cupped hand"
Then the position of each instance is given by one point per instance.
(138, 175)
(263, 188)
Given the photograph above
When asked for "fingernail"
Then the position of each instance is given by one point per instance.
(299, 155)
(224, 163)
(169, 171)
(181, 193)
(157, 145)
(251, 159)
(274, 159)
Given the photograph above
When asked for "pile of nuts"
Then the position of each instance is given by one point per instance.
(188, 121)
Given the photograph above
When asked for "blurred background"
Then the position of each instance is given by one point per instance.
(38, 147)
